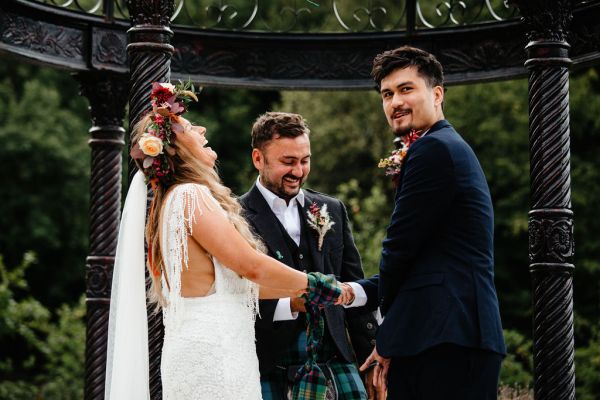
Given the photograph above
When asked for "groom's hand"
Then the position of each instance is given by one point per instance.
(380, 372)
(347, 296)
(372, 391)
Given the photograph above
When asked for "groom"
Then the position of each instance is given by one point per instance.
(278, 209)
(441, 337)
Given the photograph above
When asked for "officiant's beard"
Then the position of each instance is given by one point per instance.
(279, 187)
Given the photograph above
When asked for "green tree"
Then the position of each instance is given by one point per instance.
(42, 353)
(45, 178)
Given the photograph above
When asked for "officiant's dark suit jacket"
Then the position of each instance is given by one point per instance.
(338, 256)
(436, 280)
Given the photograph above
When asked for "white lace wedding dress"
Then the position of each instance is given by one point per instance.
(209, 349)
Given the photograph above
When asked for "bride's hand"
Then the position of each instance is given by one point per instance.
(323, 290)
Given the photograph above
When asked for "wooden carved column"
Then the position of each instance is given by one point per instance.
(150, 54)
(107, 106)
(551, 244)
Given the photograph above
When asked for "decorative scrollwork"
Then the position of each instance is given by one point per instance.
(551, 237)
(98, 277)
(371, 17)
(90, 7)
(487, 55)
(108, 48)
(220, 63)
(41, 37)
(300, 16)
(265, 63)
(435, 14)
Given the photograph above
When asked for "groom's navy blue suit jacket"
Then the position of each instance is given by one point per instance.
(436, 280)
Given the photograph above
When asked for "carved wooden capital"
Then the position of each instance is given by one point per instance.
(151, 12)
(547, 20)
(107, 98)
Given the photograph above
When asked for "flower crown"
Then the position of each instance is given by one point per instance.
(155, 147)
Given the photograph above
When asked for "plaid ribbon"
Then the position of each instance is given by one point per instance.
(323, 290)
(348, 382)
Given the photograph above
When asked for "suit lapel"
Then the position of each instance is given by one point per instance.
(264, 220)
(311, 235)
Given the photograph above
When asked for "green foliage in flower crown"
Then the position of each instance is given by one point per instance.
(183, 90)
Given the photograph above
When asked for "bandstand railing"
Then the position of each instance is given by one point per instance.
(316, 16)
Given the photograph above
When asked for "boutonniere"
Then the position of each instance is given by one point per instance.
(320, 220)
(393, 162)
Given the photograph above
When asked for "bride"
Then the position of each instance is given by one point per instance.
(206, 266)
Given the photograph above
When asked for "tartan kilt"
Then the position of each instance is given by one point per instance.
(277, 385)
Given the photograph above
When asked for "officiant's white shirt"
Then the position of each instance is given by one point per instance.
(288, 215)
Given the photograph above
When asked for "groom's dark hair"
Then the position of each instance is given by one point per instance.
(427, 65)
(278, 124)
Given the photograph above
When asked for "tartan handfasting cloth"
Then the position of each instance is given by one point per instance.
(323, 290)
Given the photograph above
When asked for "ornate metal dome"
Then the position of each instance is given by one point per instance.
(292, 45)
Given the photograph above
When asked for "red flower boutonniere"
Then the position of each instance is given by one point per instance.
(320, 220)
(393, 162)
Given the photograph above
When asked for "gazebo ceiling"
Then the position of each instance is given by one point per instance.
(470, 49)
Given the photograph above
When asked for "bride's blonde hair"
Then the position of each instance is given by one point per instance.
(186, 169)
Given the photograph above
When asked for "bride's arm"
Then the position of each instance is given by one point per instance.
(213, 231)
(266, 293)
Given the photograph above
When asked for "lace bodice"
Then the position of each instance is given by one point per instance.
(209, 350)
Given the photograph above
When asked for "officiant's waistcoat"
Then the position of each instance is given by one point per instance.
(301, 254)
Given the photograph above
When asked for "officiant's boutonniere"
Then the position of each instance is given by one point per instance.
(320, 220)
(393, 162)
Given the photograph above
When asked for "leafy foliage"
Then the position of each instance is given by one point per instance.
(45, 178)
(42, 353)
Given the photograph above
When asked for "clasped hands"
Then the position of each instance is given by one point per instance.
(318, 284)
(297, 304)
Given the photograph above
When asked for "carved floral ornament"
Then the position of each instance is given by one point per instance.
(548, 20)
(550, 240)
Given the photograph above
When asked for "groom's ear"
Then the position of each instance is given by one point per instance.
(258, 159)
(438, 95)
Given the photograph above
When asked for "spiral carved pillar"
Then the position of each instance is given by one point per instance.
(107, 107)
(150, 52)
(551, 244)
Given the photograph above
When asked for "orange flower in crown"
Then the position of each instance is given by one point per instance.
(156, 145)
